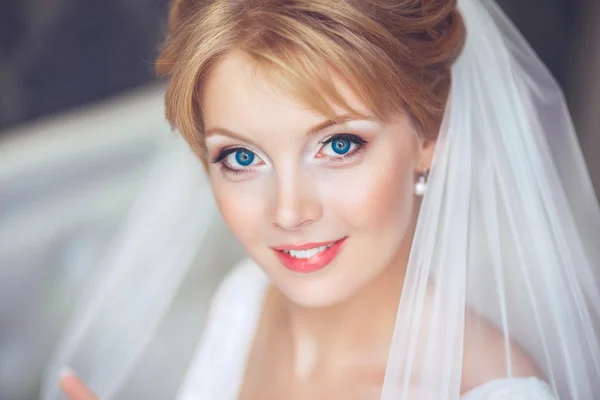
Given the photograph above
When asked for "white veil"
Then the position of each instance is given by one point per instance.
(507, 236)
(508, 229)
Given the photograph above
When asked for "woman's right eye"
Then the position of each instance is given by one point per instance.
(238, 159)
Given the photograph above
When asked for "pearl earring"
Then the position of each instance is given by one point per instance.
(421, 185)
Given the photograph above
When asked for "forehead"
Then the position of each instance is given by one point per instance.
(239, 95)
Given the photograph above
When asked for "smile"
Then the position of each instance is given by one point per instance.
(308, 253)
(309, 257)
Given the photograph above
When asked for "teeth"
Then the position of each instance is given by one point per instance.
(309, 253)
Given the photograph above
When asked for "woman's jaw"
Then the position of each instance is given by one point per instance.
(323, 206)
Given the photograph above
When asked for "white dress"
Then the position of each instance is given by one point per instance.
(222, 355)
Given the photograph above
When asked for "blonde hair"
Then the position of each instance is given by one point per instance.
(396, 54)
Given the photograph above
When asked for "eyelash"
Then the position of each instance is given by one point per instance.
(354, 139)
(219, 159)
(357, 140)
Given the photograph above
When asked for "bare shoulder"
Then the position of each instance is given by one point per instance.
(485, 355)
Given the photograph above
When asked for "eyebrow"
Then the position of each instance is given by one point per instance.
(338, 120)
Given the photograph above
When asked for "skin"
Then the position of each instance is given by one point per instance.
(297, 193)
(74, 388)
(318, 336)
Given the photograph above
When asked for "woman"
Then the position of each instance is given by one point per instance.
(365, 154)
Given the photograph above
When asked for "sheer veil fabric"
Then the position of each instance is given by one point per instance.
(506, 237)
(507, 229)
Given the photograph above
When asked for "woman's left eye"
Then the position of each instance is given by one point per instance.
(339, 146)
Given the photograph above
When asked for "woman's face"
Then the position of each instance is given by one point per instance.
(323, 208)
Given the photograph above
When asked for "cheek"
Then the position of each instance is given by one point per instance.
(240, 207)
(376, 195)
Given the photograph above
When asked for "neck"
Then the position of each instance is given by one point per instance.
(355, 333)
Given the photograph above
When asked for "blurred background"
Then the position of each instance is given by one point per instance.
(81, 117)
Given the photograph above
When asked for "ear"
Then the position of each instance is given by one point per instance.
(426, 152)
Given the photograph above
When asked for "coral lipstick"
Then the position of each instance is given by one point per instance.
(309, 257)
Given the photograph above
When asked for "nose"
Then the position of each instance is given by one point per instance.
(296, 201)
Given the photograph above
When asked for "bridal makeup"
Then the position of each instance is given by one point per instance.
(323, 205)
(309, 257)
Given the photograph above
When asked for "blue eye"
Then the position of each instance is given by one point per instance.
(341, 146)
(244, 157)
(237, 159)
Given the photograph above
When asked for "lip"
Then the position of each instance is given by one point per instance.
(316, 262)
(304, 246)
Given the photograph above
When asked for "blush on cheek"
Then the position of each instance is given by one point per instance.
(240, 208)
(392, 194)
(371, 195)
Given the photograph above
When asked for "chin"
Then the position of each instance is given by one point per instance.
(334, 284)
(316, 293)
